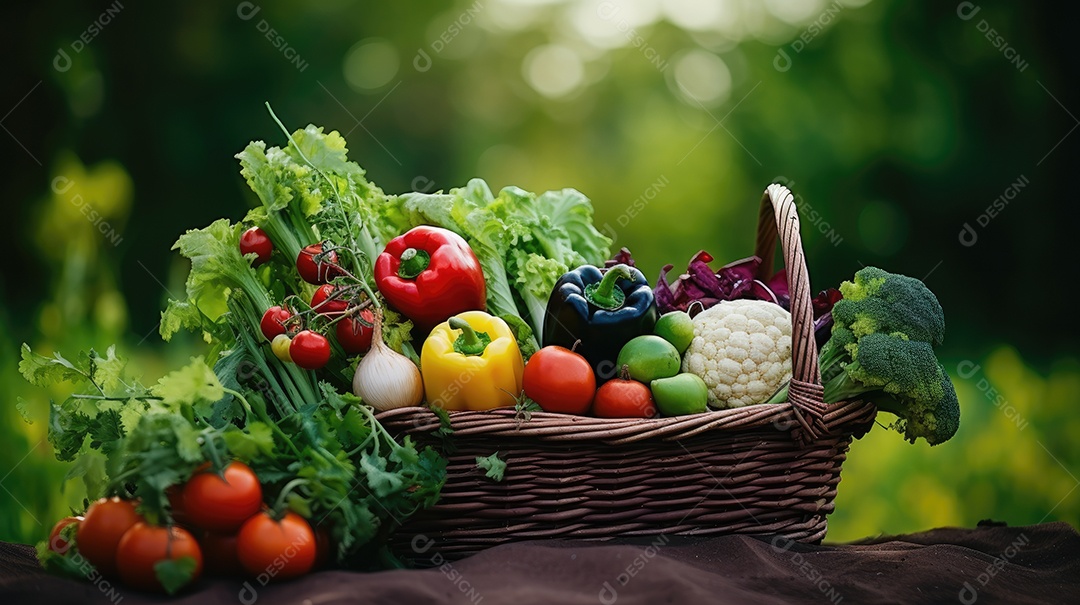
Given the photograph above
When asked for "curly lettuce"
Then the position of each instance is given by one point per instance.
(524, 241)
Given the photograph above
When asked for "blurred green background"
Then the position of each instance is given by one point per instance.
(896, 123)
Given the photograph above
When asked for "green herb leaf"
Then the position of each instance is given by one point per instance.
(524, 408)
(23, 406)
(353, 429)
(248, 445)
(379, 481)
(67, 430)
(175, 574)
(42, 371)
(180, 314)
(106, 431)
(494, 466)
(104, 371)
(90, 467)
(192, 384)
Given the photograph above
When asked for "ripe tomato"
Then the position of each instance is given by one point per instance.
(223, 504)
(273, 322)
(559, 380)
(281, 549)
(57, 543)
(256, 241)
(100, 531)
(144, 546)
(354, 336)
(219, 554)
(310, 350)
(321, 304)
(314, 272)
(624, 398)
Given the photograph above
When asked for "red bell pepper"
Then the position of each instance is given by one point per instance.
(430, 274)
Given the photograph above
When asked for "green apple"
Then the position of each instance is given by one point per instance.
(649, 357)
(677, 328)
(685, 393)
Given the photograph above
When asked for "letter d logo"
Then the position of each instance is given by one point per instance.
(968, 236)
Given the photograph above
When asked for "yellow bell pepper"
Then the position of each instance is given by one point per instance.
(471, 362)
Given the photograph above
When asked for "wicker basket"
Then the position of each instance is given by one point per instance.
(761, 469)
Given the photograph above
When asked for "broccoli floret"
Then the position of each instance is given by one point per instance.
(936, 422)
(882, 350)
(879, 301)
(904, 378)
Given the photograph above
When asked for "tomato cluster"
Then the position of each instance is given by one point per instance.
(293, 334)
(560, 380)
(220, 523)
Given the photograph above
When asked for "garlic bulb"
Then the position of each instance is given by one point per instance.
(386, 379)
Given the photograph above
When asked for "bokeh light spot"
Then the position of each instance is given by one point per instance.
(702, 77)
(554, 70)
(370, 64)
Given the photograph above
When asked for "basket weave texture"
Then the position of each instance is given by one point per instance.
(761, 469)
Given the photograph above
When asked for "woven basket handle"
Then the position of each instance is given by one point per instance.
(778, 216)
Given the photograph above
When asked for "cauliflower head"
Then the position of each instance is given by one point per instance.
(742, 350)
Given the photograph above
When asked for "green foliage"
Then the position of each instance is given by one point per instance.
(524, 242)
(492, 465)
(175, 574)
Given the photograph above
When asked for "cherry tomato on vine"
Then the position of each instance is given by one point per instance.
(559, 380)
(354, 336)
(57, 543)
(144, 546)
(288, 545)
(256, 241)
(273, 321)
(280, 346)
(309, 350)
(321, 303)
(100, 531)
(220, 503)
(317, 272)
(624, 398)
